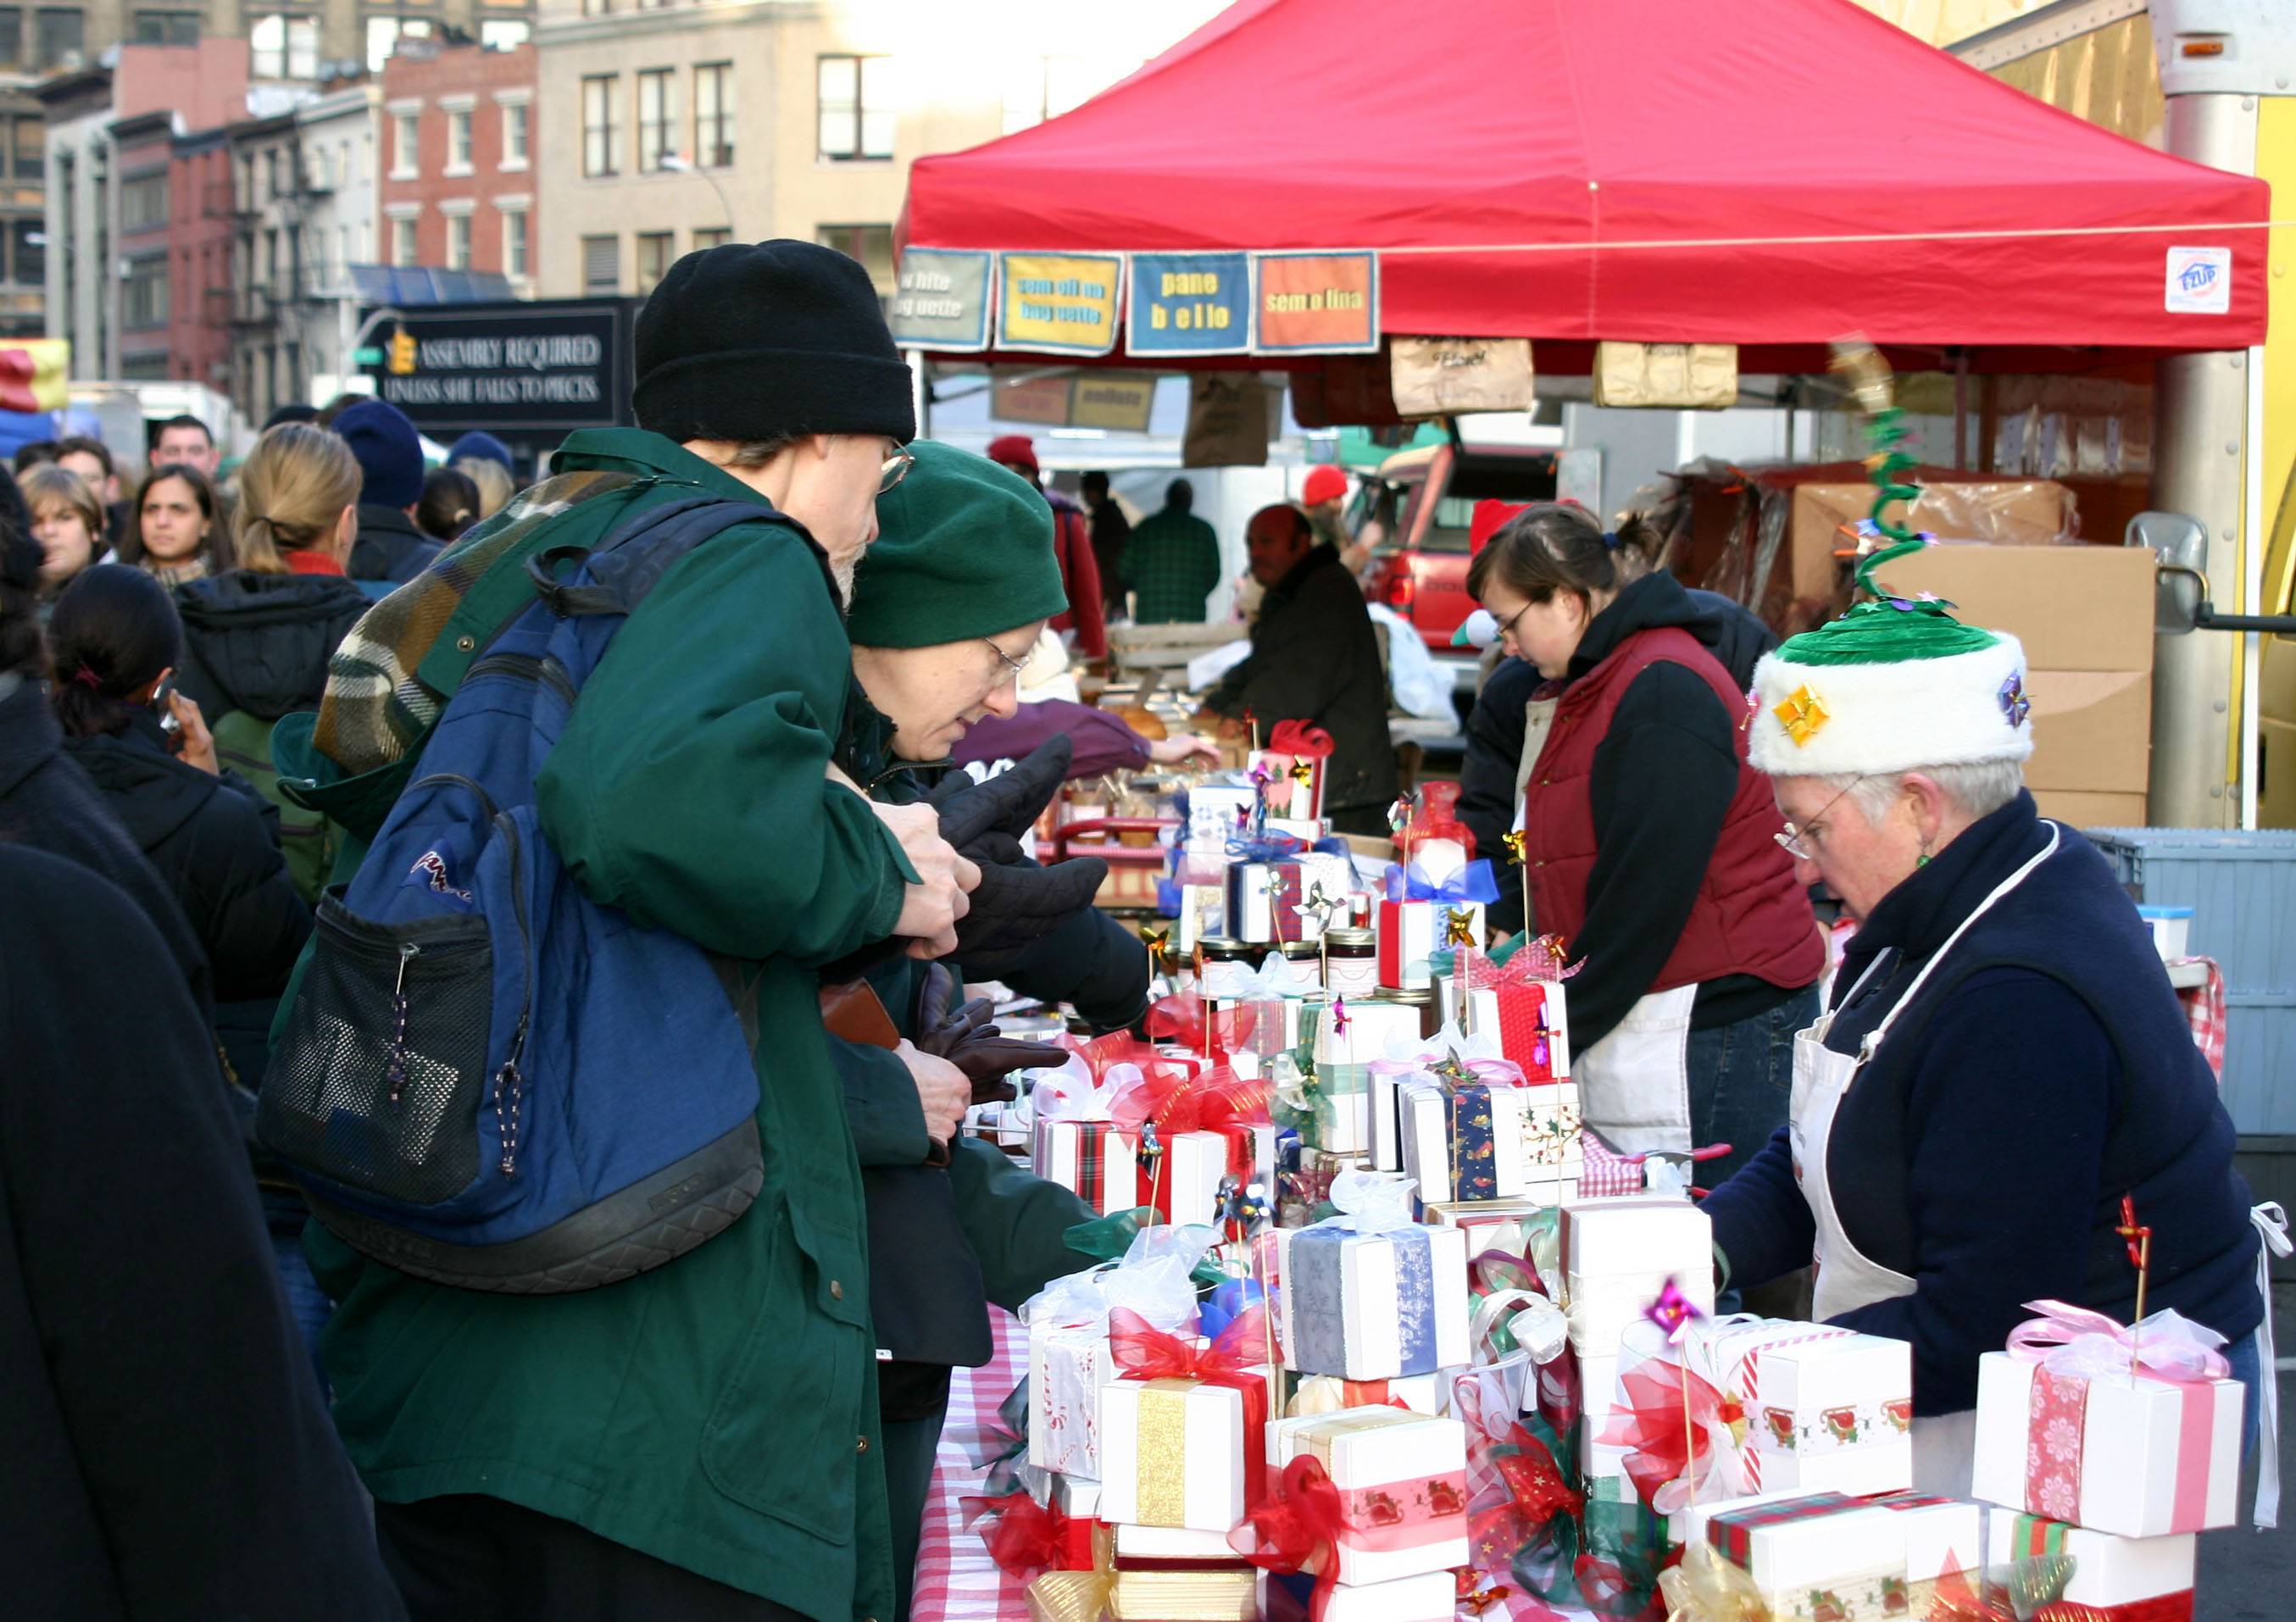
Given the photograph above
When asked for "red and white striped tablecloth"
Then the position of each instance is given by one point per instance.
(956, 1581)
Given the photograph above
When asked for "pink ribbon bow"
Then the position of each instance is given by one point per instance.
(2068, 1340)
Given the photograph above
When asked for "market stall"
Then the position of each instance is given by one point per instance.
(1446, 1351)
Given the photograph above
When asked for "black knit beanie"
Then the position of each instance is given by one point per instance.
(762, 340)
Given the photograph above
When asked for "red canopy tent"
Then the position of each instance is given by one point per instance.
(1768, 173)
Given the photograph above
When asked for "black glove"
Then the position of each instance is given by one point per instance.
(1088, 959)
(966, 1038)
(1016, 900)
(1009, 802)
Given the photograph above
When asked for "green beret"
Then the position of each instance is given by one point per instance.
(964, 549)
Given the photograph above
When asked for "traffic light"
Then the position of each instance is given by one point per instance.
(402, 353)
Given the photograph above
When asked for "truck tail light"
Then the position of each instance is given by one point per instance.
(1402, 590)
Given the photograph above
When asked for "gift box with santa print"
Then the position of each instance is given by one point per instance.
(2117, 1579)
(1402, 1482)
(1831, 1557)
(2134, 1432)
(1811, 1408)
(1370, 1294)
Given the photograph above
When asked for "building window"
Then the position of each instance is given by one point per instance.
(143, 295)
(656, 249)
(505, 34)
(458, 142)
(601, 264)
(656, 122)
(857, 107)
(284, 47)
(598, 8)
(167, 27)
(384, 33)
(602, 124)
(143, 202)
(872, 245)
(62, 36)
(31, 148)
(458, 241)
(713, 115)
(343, 247)
(28, 244)
(717, 236)
(11, 37)
(402, 242)
(514, 244)
(405, 134)
(516, 123)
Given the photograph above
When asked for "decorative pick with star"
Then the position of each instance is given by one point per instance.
(1674, 1313)
(2138, 1238)
(1159, 942)
(1518, 844)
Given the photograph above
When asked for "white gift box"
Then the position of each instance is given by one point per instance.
(1434, 1140)
(1171, 1454)
(1212, 813)
(1067, 1366)
(1840, 1566)
(1134, 1541)
(2107, 1570)
(1361, 1302)
(1195, 1164)
(2139, 1457)
(1432, 1597)
(1824, 1410)
(1078, 1497)
(1092, 1159)
(1402, 1477)
(1617, 1254)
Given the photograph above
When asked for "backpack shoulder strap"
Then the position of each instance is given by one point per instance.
(625, 567)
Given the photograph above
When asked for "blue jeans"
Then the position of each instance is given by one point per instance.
(1741, 1080)
(2247, 1367)
(307, 1303)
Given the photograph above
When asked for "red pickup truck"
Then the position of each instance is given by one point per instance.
(1422, 501)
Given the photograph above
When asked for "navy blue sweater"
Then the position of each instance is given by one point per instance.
(2043, 1072)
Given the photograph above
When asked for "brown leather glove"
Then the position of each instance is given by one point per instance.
(967, 1039)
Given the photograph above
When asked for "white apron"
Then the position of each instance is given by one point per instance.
(1633, 1084)
(1944, 1444)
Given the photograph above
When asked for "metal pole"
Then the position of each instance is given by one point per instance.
(2200, 410)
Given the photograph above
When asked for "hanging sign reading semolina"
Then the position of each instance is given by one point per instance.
(1189, 304)
(1058, 303)
(941, 300)
(1315, 303)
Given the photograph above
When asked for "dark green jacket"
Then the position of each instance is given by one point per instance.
(716, 1413)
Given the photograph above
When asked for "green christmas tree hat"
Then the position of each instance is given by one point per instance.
(1898, 683)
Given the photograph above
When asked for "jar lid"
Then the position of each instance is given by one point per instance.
(1352, 938)
(1416, 996)
(1222, 948)
(1300, 951)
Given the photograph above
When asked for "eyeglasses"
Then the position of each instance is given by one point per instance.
(1507, 624)
(1801, 843)
(1012, 667)
(896, 469)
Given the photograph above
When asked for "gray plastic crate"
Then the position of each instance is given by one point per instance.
(2242, 889)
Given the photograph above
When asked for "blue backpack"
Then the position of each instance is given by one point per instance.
(487, 1079)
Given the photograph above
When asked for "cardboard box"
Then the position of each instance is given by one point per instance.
(2085, 617)
(2275, 788)
(2078, 809)
(2004, 512)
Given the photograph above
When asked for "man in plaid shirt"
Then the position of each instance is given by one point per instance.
(1172, 562)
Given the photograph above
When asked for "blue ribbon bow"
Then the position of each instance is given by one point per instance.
(1473, 883)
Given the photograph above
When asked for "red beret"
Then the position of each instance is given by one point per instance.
(1326, 483)
(1015, 447)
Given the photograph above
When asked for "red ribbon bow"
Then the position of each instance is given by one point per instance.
(1176, 1097)
(1185, 1019)
(1299, 1529)
(1299, 738)
(1025, 1537)
(1537, 1492)
(1237, 1359)
(1651, 1425)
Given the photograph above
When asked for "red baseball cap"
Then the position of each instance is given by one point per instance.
(1323, 484)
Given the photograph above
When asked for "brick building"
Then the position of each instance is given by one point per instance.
(198, 327)
(457, 188)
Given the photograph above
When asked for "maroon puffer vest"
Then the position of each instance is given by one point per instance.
(1751, 917)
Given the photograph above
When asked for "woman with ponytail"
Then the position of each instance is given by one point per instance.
(1648, 841)
(257, 638)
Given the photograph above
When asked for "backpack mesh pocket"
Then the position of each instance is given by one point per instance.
(380, 1072)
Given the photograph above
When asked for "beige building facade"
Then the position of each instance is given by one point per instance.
(668, 128)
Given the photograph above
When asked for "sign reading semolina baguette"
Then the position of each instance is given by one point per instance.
(1315, 303)
(940, 300)
(1058, 303)
(1189, 304)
